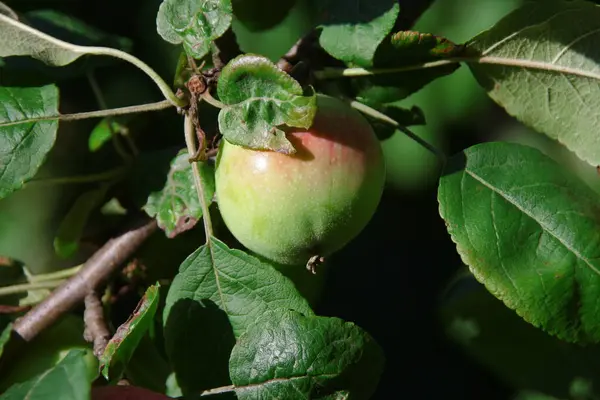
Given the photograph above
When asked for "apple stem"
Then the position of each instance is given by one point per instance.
(190, 141)
(365, 109)
(206, 96)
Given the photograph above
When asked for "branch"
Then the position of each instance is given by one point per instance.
(96, 330)
(94, 272)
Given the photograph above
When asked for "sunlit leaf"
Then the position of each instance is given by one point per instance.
(545, 71)
(530, 231)
(352, 30)
(260, 98)
(217, 294)
(287, 355)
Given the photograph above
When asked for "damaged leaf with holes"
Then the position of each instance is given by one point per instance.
(261, 100)
(176, 207)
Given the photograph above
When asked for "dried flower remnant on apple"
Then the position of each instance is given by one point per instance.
(296, 209)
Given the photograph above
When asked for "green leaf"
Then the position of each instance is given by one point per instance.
(543, 70)
(219, 292)
(67, 380)
(102, 133)
(252, 13)
(286, 355)
(22, 40)
(517, 353)
(260, 98)
(71, 228)
(5, 337)
(403, 49)
(195, 23)
(46, 351)
(122, 345)
(27, 132)
(530, 231)
(177, 207)
(352, 30)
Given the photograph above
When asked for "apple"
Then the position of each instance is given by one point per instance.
(289, 208)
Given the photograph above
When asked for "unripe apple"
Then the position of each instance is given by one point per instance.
(288, 208)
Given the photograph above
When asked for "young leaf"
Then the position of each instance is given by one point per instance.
(27, 132)
(67, 380)
(195, 23)
(544, 71)
(177, 207)
(216, 295)
(69, 232)
(530, 232)
(352, 31)
(102, 133)
(403, 49)
(121, 346)
(259, 98)
(287, 355)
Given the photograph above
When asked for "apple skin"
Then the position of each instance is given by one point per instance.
(287, 208)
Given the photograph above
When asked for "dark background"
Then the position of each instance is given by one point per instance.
(391, 280)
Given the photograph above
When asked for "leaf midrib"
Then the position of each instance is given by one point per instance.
(508, 198)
